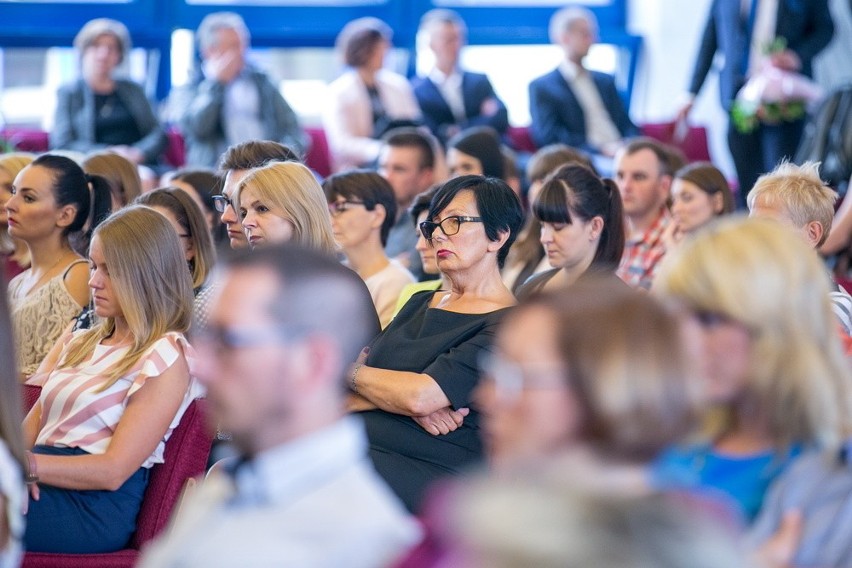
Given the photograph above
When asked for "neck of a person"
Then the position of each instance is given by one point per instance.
(308, 420)
(569, 274)
(368, 257)
(748, 433)
(101, 84)
(595, 472)
(638, 225)
(121, 333)
(574, 58)
(368, 76)
(446, 66)
(46, 253)
(478, 285)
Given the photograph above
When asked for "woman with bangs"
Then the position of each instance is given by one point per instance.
(111, 395)
(284, 202)
(775, 380)
(582, 228)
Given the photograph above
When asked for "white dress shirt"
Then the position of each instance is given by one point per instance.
(600, 129)
(450, 87)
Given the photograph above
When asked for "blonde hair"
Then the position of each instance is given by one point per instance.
(800, 191)
(291, 188)
(191, 219)
(624, 362)
(762, 274)
(12, 164)
(121, 174)
(151, 284)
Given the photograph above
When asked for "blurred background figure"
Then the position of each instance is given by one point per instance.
(363, 209)
(16, 256)
(700, 193)
(367, 100)
(776, 382)
(12, 459)
(231, 102)
(451, 98)
(98, 111)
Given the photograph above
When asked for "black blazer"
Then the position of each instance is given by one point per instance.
(476, 89)
(558, 117)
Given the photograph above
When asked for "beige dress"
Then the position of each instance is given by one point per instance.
(40, 318)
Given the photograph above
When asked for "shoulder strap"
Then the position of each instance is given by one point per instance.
(72, 265)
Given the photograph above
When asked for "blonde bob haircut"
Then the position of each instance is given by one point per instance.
(14, 162)
(291, 191)
(625, 364)
(151, 283)
(762, 274)
(121, 174)
(800, 192)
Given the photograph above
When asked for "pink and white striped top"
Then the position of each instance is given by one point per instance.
(75, 414)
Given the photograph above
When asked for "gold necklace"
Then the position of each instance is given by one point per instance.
(35, 286)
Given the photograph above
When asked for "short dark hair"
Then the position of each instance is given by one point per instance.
(483, 143)
(367, 186)
(670, 159)
(359, 38)
(575, 191)
(414, 138)
(498, 206)
(254, 154)
(301, 272)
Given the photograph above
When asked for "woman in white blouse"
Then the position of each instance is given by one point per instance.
(367, 100)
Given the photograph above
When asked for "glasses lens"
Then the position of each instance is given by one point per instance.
(221, 203)
(427, 228)
(450, 225)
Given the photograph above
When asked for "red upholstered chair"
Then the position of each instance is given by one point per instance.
(692, 140)
(26, 139)
(520, 139)
(186, 456)
(319, 156)
(30, 396)
(175, 152)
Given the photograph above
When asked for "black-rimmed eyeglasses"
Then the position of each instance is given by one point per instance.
(449, 225)
(222, 202)
(338, 207)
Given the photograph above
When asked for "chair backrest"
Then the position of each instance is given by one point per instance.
(186, 454)
(30, 394)
(692, 140)
(318, 157)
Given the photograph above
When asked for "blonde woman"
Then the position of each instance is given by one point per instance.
(774, 371)
(284, 202)
(111, 395)
(122, 175)
(14, 252)
(188, 221)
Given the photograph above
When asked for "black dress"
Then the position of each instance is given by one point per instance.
(446, 346)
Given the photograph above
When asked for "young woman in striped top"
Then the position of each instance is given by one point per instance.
(111, 395)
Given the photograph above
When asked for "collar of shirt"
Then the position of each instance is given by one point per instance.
(654, 233)
(288, 472)
(571, 70)
(438, 77)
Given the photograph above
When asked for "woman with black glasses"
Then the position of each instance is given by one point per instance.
(363, 210)
(413, 385)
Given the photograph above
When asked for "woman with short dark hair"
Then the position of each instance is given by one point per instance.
(363, 210)
(414, 387)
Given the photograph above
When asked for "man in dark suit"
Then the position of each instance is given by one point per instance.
(452, 99)
(741, 30)
(571, 104)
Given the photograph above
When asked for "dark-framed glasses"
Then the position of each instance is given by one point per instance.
(338, 207)
(449, 225)
(222, 202)
(220, 338)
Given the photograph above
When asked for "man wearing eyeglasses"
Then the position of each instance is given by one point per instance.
(234, 165)
(303, 491)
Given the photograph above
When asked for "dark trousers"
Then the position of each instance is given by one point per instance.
(759, 151)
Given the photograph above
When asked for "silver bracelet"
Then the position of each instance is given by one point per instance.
(353, 385)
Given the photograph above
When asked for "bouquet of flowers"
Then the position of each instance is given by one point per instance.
(773, 95)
